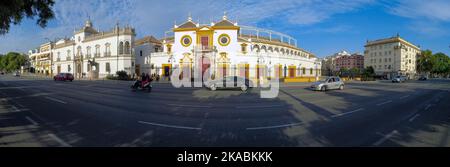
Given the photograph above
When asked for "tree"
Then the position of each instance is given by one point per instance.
(368, 74)
(13, 11)
(12, 61)
(440, 64)
(354, 71)
(424, 62)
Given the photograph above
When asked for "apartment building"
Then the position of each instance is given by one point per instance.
(391, 57)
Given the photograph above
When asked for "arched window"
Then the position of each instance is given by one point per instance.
(127, 47)
(120, 48)
(264, 48)
(107, 50)
(255, 48)
(88, 52)
(79, 51)
(97, 50)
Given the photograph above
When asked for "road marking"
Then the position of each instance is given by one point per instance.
(428, 107)
(20, 105)
(32, 121)
(37, 116)
(386, 102)
(60, 141)
(404, 96)
(57, 100)
(414, 117)
(269, 106)
(275, 126)
(170, 126)
(342, 114)
(15, 109)
(382, 140)
(183, 105)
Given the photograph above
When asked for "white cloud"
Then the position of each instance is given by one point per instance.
(155, 17)
(436, 10)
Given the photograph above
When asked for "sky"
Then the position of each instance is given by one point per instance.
(322, 27)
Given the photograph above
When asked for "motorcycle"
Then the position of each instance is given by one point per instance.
(143, 85)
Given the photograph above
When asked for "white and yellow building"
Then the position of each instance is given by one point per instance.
(89, 53)
(229, 49)
(40, 59)
(391, 57)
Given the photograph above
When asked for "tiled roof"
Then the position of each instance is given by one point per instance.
(188, 24)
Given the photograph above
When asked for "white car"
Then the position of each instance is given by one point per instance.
(230, 82)
(328, 84)
(399, 79)
(16, 74)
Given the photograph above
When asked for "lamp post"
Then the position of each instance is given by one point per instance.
(316, 64)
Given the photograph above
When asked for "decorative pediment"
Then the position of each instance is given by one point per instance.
(224, 57)
(205, 29)
(187, 58)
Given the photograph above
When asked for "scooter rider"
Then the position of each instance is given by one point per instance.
(139, 82)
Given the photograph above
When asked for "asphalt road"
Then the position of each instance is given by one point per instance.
(39, 112)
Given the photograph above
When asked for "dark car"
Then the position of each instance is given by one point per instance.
(230, 82)
(422, 78)
(63, 77)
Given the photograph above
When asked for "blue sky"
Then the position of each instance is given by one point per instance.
(322, 27)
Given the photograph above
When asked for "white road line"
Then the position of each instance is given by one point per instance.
(342, 114)
(382, 140)
(15, 109)
(20, 105)
(268, 106)
(60, 141)
(275, 126)
(428, 107)
(32, 121)
(386, 102)
(183, 105)
(169, 126)
(404, 96)
(37, 116)
(414, 117)
(57, 100)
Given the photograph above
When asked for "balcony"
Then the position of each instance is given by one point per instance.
(107, 54)
(97, 55)
(68, 58)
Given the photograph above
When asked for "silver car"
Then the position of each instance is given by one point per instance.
(328, 84)
(399, 79)
(230, 82)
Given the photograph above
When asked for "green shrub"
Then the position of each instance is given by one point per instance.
(111, 77)
(122, 75)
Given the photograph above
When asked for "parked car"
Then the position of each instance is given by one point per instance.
(230, 82)
(16, 74)
(423, 78)
(399, 79)
(328, 84)
(63, 77)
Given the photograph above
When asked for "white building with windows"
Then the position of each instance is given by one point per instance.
(225, 48)
(94, 54)
(391, 57)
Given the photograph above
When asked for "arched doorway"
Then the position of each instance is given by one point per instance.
(186, 66)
